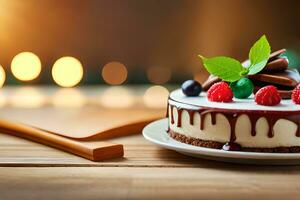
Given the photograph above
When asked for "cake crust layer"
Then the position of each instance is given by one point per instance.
(219, 145)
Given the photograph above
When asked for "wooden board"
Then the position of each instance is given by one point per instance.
(98, 112)
(79, 122)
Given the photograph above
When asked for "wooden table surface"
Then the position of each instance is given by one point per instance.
(33, 171)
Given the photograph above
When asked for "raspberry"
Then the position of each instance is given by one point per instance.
(296, 95)
(220, 92)
(267, 96)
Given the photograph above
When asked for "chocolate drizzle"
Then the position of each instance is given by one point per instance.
(191, 114)
(232, 118)
(213, 118)
(271, 121)
(253, 119)
(203, 114)
(232, 115)
(179, 117)
(172, 115)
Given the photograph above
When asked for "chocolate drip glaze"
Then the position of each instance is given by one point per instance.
(172, 115)
(253, 120)
(271, 122)
(232, 118)
(179, 111)
(232, 115)
(203, 114)
(213, 118)
(191, 114)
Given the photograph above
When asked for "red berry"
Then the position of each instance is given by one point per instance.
(220, 92)
(296, 95)
(267, 96)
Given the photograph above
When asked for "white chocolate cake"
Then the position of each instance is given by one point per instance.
(239, 125)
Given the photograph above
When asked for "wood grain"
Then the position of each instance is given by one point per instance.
(233, 182)
(138, 152)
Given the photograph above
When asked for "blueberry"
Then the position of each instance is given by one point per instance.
(191, 88)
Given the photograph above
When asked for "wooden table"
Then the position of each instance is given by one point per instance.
(33, 171)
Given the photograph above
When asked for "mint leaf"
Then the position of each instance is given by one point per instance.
(259, 55)
(227, 69)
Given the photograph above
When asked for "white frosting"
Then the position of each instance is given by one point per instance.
(284, 130)
(245, 104)
(210, 132)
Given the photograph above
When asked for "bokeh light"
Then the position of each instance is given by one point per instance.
(156, 97)
(68, 97)
(27, 97)
(159, 75)
(117, 97)
(67, 71)
(114, 73)
(2, 76)
(26, 66)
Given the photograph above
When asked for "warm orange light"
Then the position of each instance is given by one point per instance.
(156, 97)
(26, 66)
(114, 73)
(159, 75)
(67, 71)
(117, 97)
(68, 97)
(27, 97)
(2, 76)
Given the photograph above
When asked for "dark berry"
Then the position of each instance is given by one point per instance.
(231, 146)
(242, 88)
(191, 88)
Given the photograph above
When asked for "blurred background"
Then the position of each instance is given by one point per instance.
(133, 41)
(70, 43)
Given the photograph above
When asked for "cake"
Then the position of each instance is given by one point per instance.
(258, 122)
(197, 121)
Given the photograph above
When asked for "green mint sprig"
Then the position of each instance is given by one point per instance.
(231, 70)
(259, 55)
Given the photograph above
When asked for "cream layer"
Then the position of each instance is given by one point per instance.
(284, 131)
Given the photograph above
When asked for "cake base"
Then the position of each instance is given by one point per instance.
(219, 145)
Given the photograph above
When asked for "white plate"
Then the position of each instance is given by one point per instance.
(156, 133)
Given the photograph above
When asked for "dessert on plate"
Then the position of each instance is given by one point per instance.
(249, 106)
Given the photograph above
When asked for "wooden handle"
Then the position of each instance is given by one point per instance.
(94, 151)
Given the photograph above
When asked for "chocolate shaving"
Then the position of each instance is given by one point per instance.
(210, 81)
(289, 77)
(278, 65)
